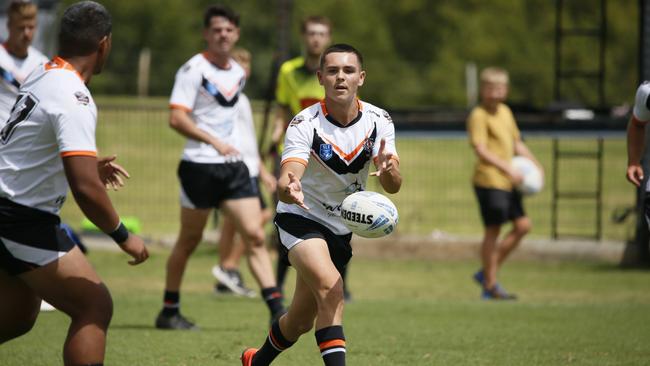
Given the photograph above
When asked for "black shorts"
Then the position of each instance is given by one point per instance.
(292, 229)
(29, 238)
(208, 185)
(498, 206)
(255, 182)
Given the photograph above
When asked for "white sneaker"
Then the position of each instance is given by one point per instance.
(231, 282)
(46, 306)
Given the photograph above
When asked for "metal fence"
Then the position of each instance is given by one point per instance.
(436, 198)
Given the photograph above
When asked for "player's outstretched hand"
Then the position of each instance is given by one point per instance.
(635, 174)
(294, 191)
(385, 161)
(134, 246)
(111, 173)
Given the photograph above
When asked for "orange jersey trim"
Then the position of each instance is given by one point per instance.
(181, 107)
(332, 343)
(295, 160)
(350, 156)
(59, 63)
(65, 154)
(324, 107)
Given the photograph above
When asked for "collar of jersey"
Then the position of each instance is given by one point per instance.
(4, 44)
(206, 56)
(59, 63)
(337, 123)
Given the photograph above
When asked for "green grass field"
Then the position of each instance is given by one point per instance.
(405, 312)
(436, 193)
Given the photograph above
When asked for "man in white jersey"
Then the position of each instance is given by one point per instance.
(327, 154)
(48, 146)
(636, 130)
(17, 57)
(211, 172)
(230, 250)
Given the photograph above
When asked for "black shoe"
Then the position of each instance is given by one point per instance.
(176, 322)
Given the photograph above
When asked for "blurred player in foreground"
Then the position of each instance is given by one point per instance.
(636, 130)
(211, 172)
(495, 137)
(327, 154)
(298, 88)
(231, 250)
(48, 143)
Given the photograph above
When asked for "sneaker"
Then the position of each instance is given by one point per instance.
(497, 293)
(176, 322)
(247, 356)
(220, 289)
(479, 277)
(45, 306)
(231, 281)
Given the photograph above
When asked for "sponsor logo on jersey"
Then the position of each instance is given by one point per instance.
(314, 116)
(357, 217)
(82, 98)
(296, 120)
(325, 152)
(352, 188)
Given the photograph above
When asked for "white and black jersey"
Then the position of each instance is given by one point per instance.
(248, 145)
(54, 116)
(337, 158)
(209, 94)
(641, 110)
(13, 72)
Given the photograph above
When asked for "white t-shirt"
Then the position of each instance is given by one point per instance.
(54, 117)
(13, 71)
(337, 158)
(248, 147)
(210, 95)
(641, 109)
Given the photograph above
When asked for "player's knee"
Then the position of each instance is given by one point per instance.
(96, 307)
(303, 326)
(254, 237)
(330, 296)
(523, 227)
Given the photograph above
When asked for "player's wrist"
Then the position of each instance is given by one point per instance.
(120, 234)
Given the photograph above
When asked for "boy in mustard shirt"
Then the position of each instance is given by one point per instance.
(494, 135)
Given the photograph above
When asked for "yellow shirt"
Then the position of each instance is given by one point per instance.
(498, 132)
(297, 87)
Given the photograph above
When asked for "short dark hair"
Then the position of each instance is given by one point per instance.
(220, 11)
(83, 26)
(340, 47)
(315, 19)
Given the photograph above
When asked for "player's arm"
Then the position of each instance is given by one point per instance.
(181, 122)
(289, 186)
(279, 124)
(89, 192)
(635, 147)
(522, 149)
(387, 165)
(268, 179)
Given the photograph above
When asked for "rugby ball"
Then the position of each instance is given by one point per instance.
(533, 180)
(369, 214)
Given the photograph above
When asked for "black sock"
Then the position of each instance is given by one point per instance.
(332, 345)
(273, 298)
(171, 303)
(274, 344)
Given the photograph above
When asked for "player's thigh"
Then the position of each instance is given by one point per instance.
(311, 259)
(19, 305)
(245, 213)
(71, 284)
(192, 224)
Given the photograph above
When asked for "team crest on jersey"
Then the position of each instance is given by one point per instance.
(82, 98)
(296, 120)
(326, 151)
(368, 145)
